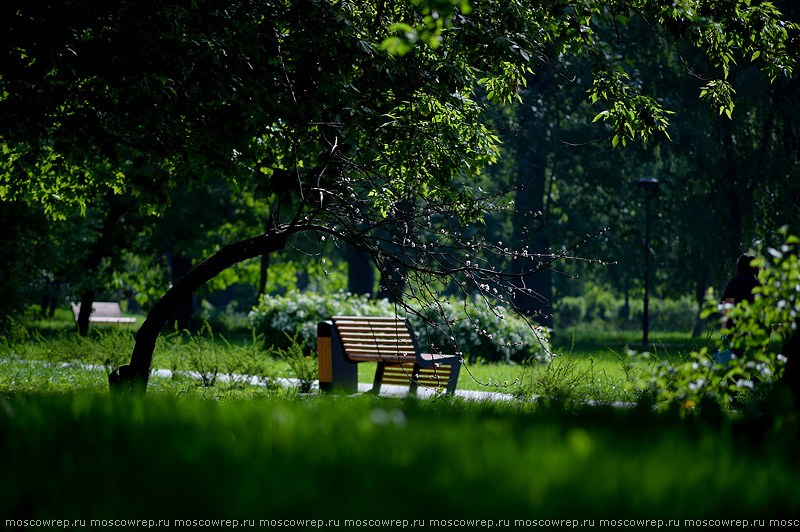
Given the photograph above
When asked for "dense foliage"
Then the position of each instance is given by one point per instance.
(760, 333)
(358, 123)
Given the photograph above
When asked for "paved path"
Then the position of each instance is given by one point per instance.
(387, 390)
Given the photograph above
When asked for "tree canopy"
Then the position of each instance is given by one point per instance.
(361, 122)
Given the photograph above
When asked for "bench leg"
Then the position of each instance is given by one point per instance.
(376, 384)
(453, 382)
(335, 372)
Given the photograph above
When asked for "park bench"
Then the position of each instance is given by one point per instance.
(346, 341)
(103, 312)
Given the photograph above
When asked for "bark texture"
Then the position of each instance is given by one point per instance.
(134, 377)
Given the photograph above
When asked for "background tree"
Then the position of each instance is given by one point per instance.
(363, 139)
(707, 181)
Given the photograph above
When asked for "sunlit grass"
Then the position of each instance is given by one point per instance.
(587, 364)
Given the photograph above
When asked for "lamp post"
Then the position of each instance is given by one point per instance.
(650, 187)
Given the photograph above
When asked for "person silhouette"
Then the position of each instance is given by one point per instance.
(739, 288)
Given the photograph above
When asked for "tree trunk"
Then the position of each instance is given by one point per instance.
(732, 189)
(54, 300)
(87, 299)
(93, 260)
(180, 266)
(360, 275)
(302, 280)
(133, 377)
(700, 294)
(50, 299)
(536, 296)
(263, 277)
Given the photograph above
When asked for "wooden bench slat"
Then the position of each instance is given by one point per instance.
(379, 338)
(377, 333)
(383, 355)
(386, 345)
(382, 331)
(408, 368)
(387, 322)
(369, 318)
(387, 349)
(373, 320)
(380, 358)
(376, 341)
(396, 382)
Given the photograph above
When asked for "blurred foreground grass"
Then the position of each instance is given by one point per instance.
(90, 456)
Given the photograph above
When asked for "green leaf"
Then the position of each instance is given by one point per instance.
(395, 46)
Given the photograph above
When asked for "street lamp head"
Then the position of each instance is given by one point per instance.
(649, 185)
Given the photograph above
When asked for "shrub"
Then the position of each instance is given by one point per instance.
(666, 314)
(602, 308)
(222, 318)
(772, 318)
(493, 335)
(473, 329)
(279, 319)
(301, 366)
(570, 312)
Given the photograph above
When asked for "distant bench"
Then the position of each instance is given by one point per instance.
(346, 341)
(103, 313)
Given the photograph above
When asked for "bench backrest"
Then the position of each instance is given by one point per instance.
(375, 338)
(100, 310)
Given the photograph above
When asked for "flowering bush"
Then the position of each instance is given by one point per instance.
(280, 318)
(471, 329)
(491, 334)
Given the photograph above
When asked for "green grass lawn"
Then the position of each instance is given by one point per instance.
(225, 450)
(587, 365)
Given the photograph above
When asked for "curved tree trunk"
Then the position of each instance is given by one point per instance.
(87, 300)
(133, 377)
(180, 266)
